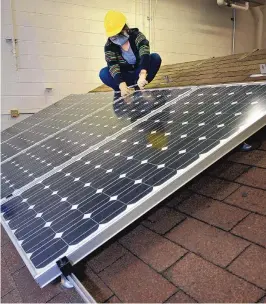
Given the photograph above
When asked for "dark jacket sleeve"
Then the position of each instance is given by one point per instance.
(113, 64)
(143, 47)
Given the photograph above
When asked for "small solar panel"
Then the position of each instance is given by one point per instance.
(161, 141)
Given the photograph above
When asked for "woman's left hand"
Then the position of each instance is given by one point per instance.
(142, 82)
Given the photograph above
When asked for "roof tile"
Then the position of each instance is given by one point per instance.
(179, 196)
(106, 257)
(249, 198)
(163, 219)
(13, 260)
(113, 299)
(4, 237)
(213, 187)
(134, 281)
(152, 248)
(67, 296)
(255, 177)
(251, 265)
(180, 297)
(30, 291)
(12, 297)
(255, 158)
(215, 245)
(96, 287)
(7, 282)
(213, 212)
(206, 282)
(263, 145)
(227, 170)
(252, 228)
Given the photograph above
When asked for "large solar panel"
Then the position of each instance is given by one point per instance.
(161, 140)
(45, 155)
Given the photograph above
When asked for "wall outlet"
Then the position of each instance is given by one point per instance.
(263, 68)
(14, 113)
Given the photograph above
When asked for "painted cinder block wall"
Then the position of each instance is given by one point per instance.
(60, 42)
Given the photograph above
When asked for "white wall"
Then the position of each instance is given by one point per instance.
(196, 30)
(60, 45)
(60, 42)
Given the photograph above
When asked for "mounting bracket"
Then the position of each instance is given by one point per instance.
(263, 69)
(69, 280)
(66, 269)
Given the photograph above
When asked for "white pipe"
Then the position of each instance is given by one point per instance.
(234, 31)
(244, 7)
(241, 7)
(258, 16)
(143, 14)
(150, 22)
(154, 25)
(135, 13)
(14, 47)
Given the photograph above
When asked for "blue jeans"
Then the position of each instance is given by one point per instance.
(131, 77)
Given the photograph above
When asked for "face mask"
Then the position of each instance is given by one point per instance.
(120, 39)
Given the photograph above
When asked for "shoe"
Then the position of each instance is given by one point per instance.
(245, 147)
(117, 95)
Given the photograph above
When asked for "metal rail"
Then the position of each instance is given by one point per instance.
(81, 290)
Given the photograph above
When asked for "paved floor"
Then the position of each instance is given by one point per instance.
(206, 243)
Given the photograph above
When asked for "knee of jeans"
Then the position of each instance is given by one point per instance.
(104, 74)
(156, 57)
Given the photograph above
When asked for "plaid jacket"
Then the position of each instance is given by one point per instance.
(115, 61)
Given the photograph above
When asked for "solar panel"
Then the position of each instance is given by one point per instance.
(53, 110)
(72, 210)
(92, 122)
(49, 122)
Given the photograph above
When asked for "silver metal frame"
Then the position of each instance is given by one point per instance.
(82, 291)
(107, 231)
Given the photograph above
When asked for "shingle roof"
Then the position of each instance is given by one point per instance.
(226, 69)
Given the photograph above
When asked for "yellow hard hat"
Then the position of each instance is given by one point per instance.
(158, 140)
(114, 23)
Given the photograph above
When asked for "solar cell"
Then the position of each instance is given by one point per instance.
(77, 207)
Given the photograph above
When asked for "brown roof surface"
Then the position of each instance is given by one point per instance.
(227, 69)
(206, 243)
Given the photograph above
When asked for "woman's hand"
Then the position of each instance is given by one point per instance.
(142, 82)
(125, 91)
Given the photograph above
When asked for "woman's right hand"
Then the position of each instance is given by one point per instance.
(125, 91)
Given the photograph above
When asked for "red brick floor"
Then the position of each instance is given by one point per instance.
(207, 243)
